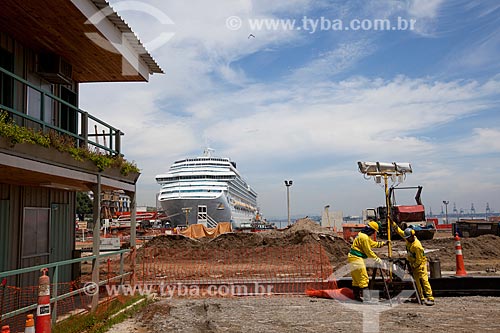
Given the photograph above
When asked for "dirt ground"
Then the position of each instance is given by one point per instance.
(303, 314)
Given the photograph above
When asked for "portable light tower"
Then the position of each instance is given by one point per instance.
(396, 172)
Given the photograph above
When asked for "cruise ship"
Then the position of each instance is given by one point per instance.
(206, 190)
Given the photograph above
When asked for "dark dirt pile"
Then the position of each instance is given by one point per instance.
(172, 241)
(481, 248)
(304, 231)
(480, 253)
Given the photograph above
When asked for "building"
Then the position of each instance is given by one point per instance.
(332, 219)
(47, 49)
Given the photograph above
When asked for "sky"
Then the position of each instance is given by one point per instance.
(302, 90)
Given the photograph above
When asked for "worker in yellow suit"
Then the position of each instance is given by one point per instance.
(418, 263)
(360, 250)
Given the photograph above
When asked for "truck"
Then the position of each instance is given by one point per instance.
(405, 216)
(476, 227)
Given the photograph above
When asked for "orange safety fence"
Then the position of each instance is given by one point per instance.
(17, 298)
(192, 272)
(290, 269)
(13, 298)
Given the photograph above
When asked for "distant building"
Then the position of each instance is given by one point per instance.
(332, 219)
(123, 202)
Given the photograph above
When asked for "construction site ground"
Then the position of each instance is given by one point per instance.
(303, 314)
(306, 314)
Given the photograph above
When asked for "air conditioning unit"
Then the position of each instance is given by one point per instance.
(54, 68)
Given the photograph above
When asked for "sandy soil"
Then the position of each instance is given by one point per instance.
(303, 314)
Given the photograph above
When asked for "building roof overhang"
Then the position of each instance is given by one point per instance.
(17, 170)
(88, 34)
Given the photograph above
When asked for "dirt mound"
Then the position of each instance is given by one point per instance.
(482, 247)
(336, 250)
(307, 225)
(235, 240)
(303, 232)
(172, 241)
(479, 253)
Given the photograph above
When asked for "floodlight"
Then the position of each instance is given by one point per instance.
(386, 167)
(403, 167)
(367, 167)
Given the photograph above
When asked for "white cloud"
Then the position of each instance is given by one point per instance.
(380, 114)
(306, 125)
(424, 8)
(333, 62)
(482, 141)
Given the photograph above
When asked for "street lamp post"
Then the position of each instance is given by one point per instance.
(288, 183)
(446, 202)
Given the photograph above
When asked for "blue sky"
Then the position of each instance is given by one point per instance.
(293, 104)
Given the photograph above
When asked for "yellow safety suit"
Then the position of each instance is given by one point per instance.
(361, 249)
(418, 263)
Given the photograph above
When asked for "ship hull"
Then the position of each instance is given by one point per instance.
(218, 209)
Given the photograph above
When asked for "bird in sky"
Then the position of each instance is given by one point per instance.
(251, 35)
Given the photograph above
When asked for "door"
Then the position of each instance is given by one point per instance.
(202, 215)
(36, 234)
(35, 247)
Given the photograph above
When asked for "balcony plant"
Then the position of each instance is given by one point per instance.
(15, 134)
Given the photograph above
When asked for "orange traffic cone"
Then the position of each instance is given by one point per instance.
(460, 258)
(6, 329)
(43, 318)
(30, 324)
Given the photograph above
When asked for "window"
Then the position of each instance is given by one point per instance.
(35, 99)
(6, 82)
(69, 116)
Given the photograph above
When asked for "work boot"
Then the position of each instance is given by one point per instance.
(429, 302)
(357, 294)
